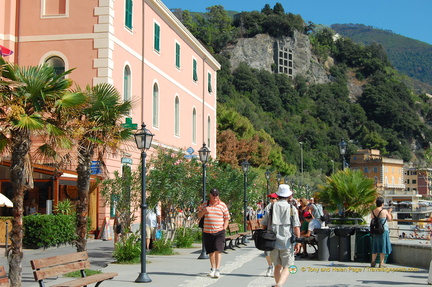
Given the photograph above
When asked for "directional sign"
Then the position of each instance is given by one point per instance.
(126, 160)
(190, 150)
(129, 124)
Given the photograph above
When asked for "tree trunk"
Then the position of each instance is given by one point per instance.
(20, 180)
(85, 157)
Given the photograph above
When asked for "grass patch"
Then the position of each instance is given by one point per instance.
(77, 274)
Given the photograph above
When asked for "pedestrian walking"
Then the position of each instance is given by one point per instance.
(215, 223)
(381, 242)
(284, 221)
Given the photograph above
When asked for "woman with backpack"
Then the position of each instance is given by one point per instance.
(381, 241)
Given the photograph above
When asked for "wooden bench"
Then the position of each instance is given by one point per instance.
(63, 264)
(233, 229)
(4, 280)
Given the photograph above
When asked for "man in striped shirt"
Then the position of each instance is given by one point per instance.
(215, 222)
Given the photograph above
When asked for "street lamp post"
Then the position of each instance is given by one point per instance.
(332, 166)
(267, 175)
(245, 167)
(204, 154)
(301, 157)
(143, 138)
(279, 177)
(342, 149)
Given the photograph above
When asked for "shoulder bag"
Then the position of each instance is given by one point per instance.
(265, 240)
(201, 222)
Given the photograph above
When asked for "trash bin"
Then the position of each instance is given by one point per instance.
(344, 233)
(323, 243)
(363, 244)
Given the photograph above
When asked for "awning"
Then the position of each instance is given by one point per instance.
(5, 51)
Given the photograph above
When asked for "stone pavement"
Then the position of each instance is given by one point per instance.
(242, 267)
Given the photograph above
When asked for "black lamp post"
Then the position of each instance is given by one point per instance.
(143, 138)
(245, 167)
(301, 157)
(267, 175)
(279, 177)
(204, 154)
(342, 149)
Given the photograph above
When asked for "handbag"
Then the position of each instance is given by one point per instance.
(201, 222)
(158, 234)
(265, 240)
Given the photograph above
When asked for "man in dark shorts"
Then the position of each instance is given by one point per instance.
(215, 222)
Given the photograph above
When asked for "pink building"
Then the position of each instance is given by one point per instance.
(139, 46)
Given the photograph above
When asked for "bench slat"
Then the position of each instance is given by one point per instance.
(60, 270)
(87, 280)
(58, 260)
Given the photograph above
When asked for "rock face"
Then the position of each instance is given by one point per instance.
(291, 56)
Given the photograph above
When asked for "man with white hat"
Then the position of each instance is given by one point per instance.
(282, 219)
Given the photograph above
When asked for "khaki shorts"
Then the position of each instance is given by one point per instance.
(150, 232)
(283, 257)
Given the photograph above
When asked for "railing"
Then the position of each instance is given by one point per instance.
(420, 232)
(356, 220)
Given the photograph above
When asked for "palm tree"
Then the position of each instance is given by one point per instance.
(350, 192)
(33, 102)
(97, 132)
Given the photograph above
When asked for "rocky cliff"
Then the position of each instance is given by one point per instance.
(264, 52)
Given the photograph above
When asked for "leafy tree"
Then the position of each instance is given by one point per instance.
(278, 9)
(97, 132)
(349, 192)
(123, 193)
(34, 101)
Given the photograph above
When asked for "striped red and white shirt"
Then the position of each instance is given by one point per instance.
(214, 219)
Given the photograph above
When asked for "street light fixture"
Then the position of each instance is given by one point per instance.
(143, 138)
(245, 166)
(204, 154)
(279, 177)
(342, 149)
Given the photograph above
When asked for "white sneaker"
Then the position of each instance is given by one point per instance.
(211, 273)
(269, 272)
(217, 273)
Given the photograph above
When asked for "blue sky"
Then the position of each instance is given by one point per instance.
(412, 18)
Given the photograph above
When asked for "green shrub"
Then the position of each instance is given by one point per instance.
(162, 247)
(185, 237)
(64, 207)
(128, 249)
(48, 230)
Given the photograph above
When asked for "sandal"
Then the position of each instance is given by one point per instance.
(382, 266)
(373, 263)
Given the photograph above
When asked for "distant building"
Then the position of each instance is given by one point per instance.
(387, 173)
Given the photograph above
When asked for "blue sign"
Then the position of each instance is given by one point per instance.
(190, 150)
(189, 156)
(95, 167)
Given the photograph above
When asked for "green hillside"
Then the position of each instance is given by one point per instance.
(410, 57)
(264, 116)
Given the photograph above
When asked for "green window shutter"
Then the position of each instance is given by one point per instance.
(156, 37)
(177, 55)
(209, 86)
(128, 14)
(195, 75)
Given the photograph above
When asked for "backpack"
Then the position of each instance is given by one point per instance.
(375, 226)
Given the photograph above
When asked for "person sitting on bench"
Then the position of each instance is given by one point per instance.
(309, 235)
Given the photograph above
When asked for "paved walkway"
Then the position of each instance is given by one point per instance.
(245, 266)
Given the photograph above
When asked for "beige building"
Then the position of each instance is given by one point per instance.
(387, 173)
